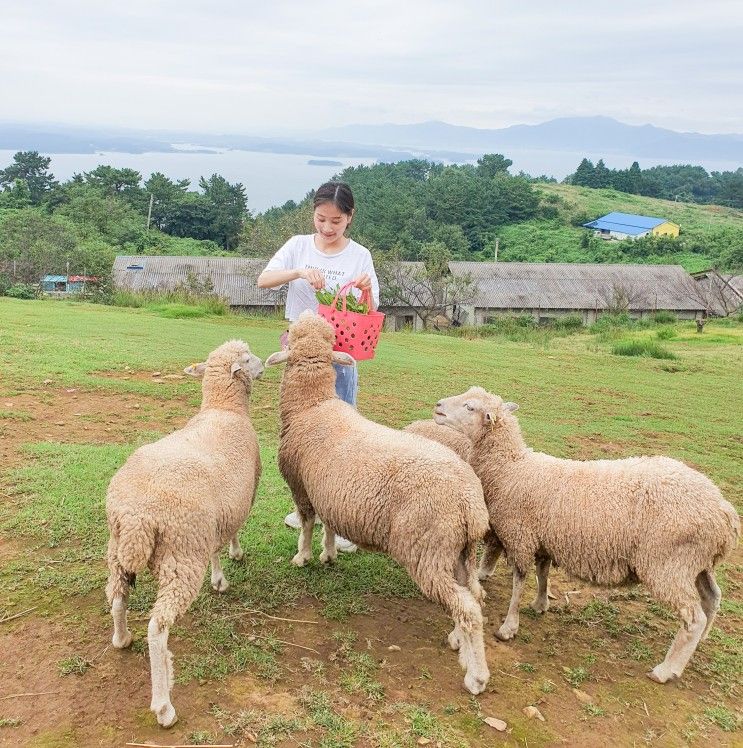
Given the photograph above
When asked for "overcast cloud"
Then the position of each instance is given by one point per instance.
(278, 66)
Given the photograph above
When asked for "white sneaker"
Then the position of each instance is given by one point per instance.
(345, 546)
(292, 520)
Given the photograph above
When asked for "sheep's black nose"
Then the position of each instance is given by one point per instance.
(438, 404)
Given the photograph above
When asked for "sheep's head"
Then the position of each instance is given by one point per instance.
(310, 337)
(233, 359)
(471, 411)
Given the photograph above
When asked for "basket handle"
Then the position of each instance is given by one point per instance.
(342, 291)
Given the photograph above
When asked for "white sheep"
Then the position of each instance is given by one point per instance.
(457, 442)
(174, 504)
(647, 519)
(383, 489)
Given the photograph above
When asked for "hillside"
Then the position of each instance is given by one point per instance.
(556, 236)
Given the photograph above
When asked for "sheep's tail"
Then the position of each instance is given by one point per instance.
(130, 547)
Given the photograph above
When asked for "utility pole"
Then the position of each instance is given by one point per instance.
(149, 211)
(497, 242)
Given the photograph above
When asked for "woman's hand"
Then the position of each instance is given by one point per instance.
(363, 282)
(314, 277)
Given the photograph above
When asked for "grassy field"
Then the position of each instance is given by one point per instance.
(559, 240)
(81, 386)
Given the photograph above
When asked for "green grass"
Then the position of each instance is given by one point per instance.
(643, 347)
(74, 665)
(576, 400)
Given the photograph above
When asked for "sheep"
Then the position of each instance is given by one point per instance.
(458, 443)
(174, 504)
(383, 489)
(609, 522)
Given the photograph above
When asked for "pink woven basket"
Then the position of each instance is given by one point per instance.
(356, 334)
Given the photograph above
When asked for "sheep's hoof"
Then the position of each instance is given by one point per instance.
(327, 558)
(237, 555)
(539, 606)
(166, 716)
(505, 634)
(124, 642)
(661, 674)
(476, 683)
(220, 585)
(454, 640)
(483, 576)
(300, 559)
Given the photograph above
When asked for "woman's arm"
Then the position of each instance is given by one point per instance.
(277, 278)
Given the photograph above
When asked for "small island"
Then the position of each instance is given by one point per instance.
(323, 162)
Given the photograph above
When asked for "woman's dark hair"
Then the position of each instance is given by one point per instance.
(338, 193)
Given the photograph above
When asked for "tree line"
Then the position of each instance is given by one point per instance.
(410, 210)
(682, 182)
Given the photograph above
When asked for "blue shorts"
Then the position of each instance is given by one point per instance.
(346, 383)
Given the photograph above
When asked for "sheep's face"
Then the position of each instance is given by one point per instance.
(234, 358)
(471, 411)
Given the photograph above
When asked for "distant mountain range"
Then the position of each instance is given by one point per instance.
(594, 137)
(575, 134)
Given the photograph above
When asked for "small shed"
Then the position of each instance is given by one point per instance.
(629, 226)
(66, 284)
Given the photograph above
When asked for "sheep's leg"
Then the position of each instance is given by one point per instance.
(466, 575)
(541, 601)
(329, 550)
(236, 552)
(511, 624)
(122, 636)
(464, 609)
(493, 549)
(467, 617)
(219, 581)
(180, 580)
(161, 667)
(683, 645)
(117, 592)
(710, 596)
(304, 546)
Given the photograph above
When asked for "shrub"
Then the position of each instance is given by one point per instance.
(642, 347)
(607, 322)
(666, 333)
(664, 318)
(568, 322)
(22, 291)
(161, 301)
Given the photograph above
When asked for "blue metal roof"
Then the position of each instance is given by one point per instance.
(54, 279)
(625, 223)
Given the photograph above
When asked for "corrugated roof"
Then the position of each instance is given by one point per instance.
(232, 278)
(625, 223)
(502, 285)
(54, 279)
(526, 285)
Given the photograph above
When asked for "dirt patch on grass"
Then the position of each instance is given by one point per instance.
(76, 416)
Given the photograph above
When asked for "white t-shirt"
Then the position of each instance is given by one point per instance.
(300, 252)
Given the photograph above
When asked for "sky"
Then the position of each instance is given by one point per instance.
(276, 67)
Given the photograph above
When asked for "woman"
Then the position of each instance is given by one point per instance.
(324, 260)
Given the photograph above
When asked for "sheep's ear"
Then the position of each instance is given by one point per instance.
(196, 370)
(236, 366)
(280, 357)
(344, 359)
(512, 407)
